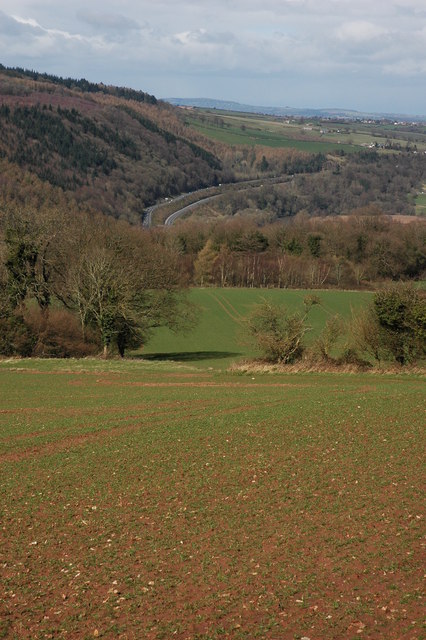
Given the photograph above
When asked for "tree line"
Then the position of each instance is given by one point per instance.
(81, 284)
(357, 251)
(82, 84)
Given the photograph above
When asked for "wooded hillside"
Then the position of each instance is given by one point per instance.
(111, 149)
(115, 151)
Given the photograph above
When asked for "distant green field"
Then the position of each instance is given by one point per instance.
(220, 338)
(254, 129)
(274, 138)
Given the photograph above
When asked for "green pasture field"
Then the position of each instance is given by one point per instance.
(315, 137)
(220, 336)
(266, 133)
(151, 500)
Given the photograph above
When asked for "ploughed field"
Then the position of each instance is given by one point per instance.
(146, 500)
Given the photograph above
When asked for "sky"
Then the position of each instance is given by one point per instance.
(367, 55)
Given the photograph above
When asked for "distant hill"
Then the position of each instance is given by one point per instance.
(225, 105)
(110, 149)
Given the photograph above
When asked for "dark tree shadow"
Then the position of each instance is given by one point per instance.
(187, 356)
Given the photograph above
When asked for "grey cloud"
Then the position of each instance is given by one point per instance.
(109, 21)
(203, 36)
(360, 32)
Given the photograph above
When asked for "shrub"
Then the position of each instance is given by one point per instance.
(16, 338)
(57, 334)
(365, 336)
(278, 334)
(394, 326)
(310, 300)
(323, 345)
(401, 314)
(350, 356)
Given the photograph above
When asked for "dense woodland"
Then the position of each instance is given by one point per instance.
(356, 251)
(80, 162)
(109, 150)
(337, 187)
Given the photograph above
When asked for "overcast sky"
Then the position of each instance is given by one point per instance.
(368, 55)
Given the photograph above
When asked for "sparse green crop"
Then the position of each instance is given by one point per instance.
(152, 500)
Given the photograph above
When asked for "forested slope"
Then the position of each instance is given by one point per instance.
(111, 149)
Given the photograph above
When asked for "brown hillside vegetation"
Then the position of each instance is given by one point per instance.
(110, 153)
